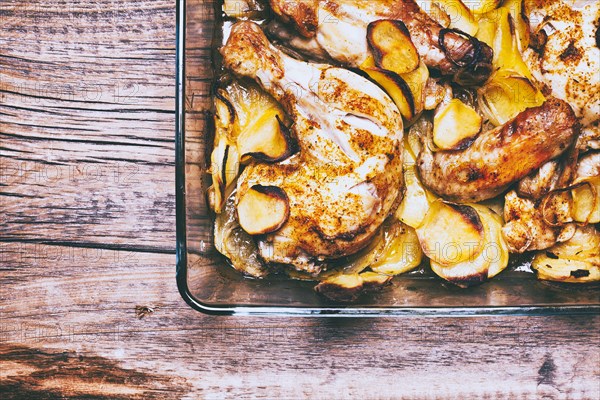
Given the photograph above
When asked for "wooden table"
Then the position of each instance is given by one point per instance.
(88, 303)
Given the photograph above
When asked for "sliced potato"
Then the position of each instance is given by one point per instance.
(260, 131)
(459, 16)
(248, 122)
(391, 46)
(263, 209)
(492, 260)
(451, 233)
(416, 203)
(505, 95)
(225, 166)
(224, 111)
(417, 82)
(349, 287)
(394, 250)
(266, 139)
(342, 288)
(401, 251)
(497, 29)
(373, 281)
(576, 260)
(466, 273)
(407, 90)
(586, 200)
(564, 270)
(455, 125)
(496, 249)
(584, 245)
(521, 22)
(396, 87)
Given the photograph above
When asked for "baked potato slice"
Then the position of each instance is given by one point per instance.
(390, 44)
(455, 125)
(574, 261)
(451, 233)
(488, 263)
(263, 209)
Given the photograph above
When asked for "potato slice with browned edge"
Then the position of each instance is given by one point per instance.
(236, 244)
(455, 125)
(417, 82)
(342, 288)
(374, 281)
(396, 88)
(491, 261)
(521, 22)
(451, 233)
(497, 29)
(267, 139)
(225, 165)
(495, 249)
(482, 6)
(575, 261)
(349, 287)
(263, 209)
(391, 46)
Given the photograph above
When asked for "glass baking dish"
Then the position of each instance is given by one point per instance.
(210, 285)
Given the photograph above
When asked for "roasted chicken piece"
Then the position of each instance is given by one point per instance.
(527, 222)
(501, 156)
(340, 28)
(546, 204)
(346, 178)
(565, 55)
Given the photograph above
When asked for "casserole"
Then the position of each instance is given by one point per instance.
(210, 285)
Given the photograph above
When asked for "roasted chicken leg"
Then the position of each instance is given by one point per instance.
(346, 178)
(340, 28)
(501, 156)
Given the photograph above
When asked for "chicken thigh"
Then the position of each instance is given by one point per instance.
(347, 177)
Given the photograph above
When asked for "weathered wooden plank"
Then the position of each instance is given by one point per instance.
(87, 123)
(62, 328)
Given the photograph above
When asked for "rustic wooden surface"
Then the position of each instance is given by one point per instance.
(88, 303)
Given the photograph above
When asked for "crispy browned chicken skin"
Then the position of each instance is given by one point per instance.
(501, 156)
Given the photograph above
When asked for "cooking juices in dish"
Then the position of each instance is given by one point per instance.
(356, 139)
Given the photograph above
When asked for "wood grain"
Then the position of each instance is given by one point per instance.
(175, 352)
(88, 303)
(87, 115)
